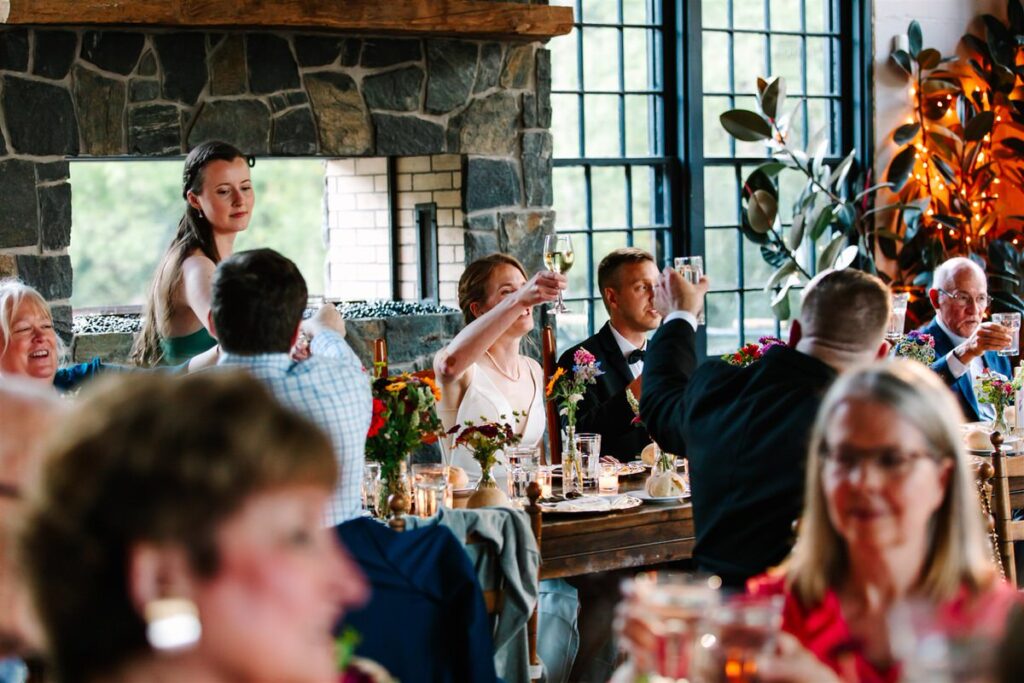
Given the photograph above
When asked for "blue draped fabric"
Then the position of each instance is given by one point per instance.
(426, 619)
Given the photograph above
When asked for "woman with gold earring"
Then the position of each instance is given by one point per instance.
(177, 536)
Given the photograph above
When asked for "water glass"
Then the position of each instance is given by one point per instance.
(435, 473)
(897, 319)
(371, 487)
(691, 268)
(937, 647)
(736, 634)
(523, 462)
(668, 607)
(1011, 321)
(589, 448)
(429, 496)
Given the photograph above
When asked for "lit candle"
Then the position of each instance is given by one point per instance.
(608, 479)
(544, 480)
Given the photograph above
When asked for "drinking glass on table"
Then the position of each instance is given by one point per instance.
(371, 487)
(936, 647)
(589, 447)
(558, 257)
(1010, 321)
(436, 474)
(691, 268)
(898, 317)
(524, 464)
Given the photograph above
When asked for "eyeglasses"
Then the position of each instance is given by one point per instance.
(891, 462)
(962, 299)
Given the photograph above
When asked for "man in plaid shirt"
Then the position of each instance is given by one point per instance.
(256, 313)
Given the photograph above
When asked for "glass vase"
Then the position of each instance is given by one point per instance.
(999, 424)
(572, 465)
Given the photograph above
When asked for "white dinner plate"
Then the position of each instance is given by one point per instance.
(648, 498)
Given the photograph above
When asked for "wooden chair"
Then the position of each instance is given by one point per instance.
(549, 356)
(493, 595)
(1007, 530)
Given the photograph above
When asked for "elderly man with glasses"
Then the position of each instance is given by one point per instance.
(964, 345)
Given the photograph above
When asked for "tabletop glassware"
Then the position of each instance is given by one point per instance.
(898, 317)
(434, 474)
(1010, 321)
(608, 478)
(588, 445)
(371, 487)
(668, 607)
(524, 464)
(691, 268)
(558, 257)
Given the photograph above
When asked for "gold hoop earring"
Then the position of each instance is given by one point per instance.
(172, 624)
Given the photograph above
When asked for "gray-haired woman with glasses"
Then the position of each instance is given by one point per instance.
(891, 514)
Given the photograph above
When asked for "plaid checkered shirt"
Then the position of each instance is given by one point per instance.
(332, 390)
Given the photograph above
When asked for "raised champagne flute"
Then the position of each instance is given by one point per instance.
(558, 257)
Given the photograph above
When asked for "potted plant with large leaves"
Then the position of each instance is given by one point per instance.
(830, 206)
(959, 153)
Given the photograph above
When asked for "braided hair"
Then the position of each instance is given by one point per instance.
(195, 232)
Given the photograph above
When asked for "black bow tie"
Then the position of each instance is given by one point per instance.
(635, 356)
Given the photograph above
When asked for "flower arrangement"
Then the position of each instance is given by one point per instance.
(404, 417)
(749, 353)
(484, 440)
(916, 346)
(998, 391)
(567, 389)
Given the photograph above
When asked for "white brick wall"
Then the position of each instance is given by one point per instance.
(359, 247)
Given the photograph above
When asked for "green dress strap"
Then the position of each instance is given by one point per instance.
(178, 350)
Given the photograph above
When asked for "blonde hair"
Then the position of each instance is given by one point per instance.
(957, 554)
(13, 293)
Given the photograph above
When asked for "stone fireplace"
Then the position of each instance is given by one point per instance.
(474, 111)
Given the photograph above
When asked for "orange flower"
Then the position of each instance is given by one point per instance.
(433, 388)
(395, 387)
(554, 378)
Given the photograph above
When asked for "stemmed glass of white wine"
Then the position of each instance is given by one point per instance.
(558, 257)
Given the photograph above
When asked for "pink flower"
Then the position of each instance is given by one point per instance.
(583, 357)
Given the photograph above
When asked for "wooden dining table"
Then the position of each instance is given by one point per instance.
(577, 544)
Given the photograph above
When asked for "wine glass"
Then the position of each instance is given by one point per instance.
(558, 257)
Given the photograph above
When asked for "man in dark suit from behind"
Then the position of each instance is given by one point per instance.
(626, 278)
(745, 429)
(964, 345)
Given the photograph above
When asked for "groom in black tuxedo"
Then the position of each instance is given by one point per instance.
(626, 279)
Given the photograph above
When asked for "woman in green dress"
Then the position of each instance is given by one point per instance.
(219, 200)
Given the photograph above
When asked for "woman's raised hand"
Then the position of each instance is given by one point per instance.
(541, 288)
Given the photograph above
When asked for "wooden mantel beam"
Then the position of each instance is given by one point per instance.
(464, 18)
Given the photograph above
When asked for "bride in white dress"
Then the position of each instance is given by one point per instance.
(483, 375)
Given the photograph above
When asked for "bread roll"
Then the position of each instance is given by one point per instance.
(458, 477)
(649, 453)
(978, 440)
(665, 484)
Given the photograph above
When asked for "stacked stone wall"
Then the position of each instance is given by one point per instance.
(76, 92)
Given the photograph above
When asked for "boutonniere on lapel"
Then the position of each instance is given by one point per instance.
(748, 354)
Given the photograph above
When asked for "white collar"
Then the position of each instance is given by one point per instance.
(956, 338)
(625, 346)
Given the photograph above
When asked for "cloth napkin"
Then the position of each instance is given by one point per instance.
(592, 504)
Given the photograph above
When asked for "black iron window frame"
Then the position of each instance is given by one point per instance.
(678, 127)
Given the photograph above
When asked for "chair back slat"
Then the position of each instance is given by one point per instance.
(380, 357)
(1007, 530)
(550, 362)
